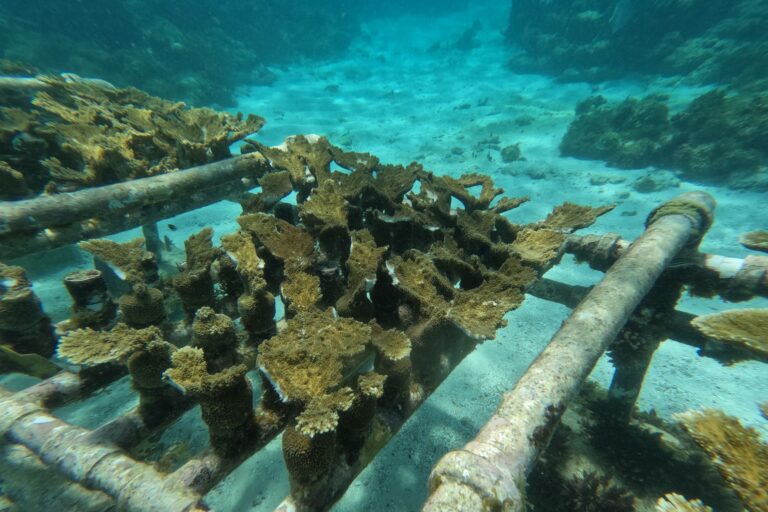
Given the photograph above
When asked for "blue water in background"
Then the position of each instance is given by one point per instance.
(430, 83)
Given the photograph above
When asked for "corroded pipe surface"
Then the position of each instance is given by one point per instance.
(50, 221)
(61, 209)
(135, 487)
(490, 472)
(735, 279)
(59, 389)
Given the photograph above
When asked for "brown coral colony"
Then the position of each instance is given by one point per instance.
(385, 289)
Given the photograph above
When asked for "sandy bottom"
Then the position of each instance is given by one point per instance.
(397, 97)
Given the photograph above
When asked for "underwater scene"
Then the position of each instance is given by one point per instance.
(328, 255)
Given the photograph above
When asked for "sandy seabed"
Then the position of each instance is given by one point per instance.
(399, 97)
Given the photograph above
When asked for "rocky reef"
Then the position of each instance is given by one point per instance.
(73, 133)
(702, 41)
(717, 138)
(198, 52)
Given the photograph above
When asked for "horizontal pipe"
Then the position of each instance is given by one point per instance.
(121, 198)
(43, 223)
(678, 325)
(736, 279)
(490, 472)
(22, 82)
(54, 391)
(136, 487)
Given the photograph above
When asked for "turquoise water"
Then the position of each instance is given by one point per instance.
(448, 85)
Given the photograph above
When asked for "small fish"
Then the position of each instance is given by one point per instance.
(168, 243)
(172, 227)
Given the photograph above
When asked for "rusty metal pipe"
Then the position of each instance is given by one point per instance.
(489, 473)
(46, 222)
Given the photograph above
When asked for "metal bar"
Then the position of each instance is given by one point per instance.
(152, 240)
(736, 279)
(46, 222)
(22, 82)
(678, 326)
(136, 487)
(57, 390)
(489, 473)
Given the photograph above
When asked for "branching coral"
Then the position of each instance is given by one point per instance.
(23, 324)
(569, 216)
(745, 328)
(275, 186)
(194, 283)
(88, 347)
(225, 399)
(322, 413)
(127, 258)
(313, 354)
(216, 335)
(755, 240)
(538, 247)
(82, 133)
(143, 306)
(300, 290)
(282, 239)
(241, 249)
(324, 207)
(737, 452)
(480, 311)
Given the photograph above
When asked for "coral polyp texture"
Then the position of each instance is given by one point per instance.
(88, 347)
(744, 328)
(385, 288)
(73, 134)
(737, 451)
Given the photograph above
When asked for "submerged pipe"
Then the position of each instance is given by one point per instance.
(735, 279)
(46, 222)
(489, 473)
(136, 487)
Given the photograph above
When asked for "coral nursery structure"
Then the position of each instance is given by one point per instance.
(328, 320)
(63, 134)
